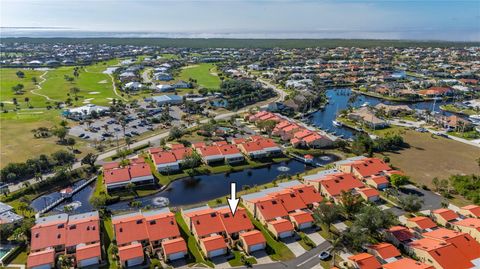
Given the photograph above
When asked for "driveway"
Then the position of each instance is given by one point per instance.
(314, 236)
(294, 246)
(340, 226)
(261, 256)
(221, 262)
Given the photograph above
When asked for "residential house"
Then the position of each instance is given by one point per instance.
(364, 261)
(210, 154)
(407, 263)
(252, 241)
(470, 211)
(75, 235)
(443, 216)
(119, 177)
(369, 194)
(385, 252)
(470, 226)
(421, 224)
(366, 116)
(399, 235)
(332, 185)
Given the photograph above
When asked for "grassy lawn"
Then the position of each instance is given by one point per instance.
(429, 157)
(306, 242)
(107, 232)
(95, 87)
(10, 79)
(237, 260)
(204, 73)
(470, 135)
(456, 109)
(193, 248)
(275, 249)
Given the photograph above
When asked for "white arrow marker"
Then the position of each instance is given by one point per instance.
(233, 201)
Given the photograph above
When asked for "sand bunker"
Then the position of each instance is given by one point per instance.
(87, 101)
(102, 81)
(94, 93)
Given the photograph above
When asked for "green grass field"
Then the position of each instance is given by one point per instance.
(8, 79)
(204, 73)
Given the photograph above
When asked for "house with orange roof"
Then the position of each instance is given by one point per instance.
(364, 168)
(301, 219)
(210, 154)
(131, 255)
(260, 148)
(439, 254)
(151, 229)
(399, 235)
(44, 259)
(75, 235)
(470, 211)
(364, 261)
(384, 252)
(165, 161)
(369, 194)
(280, 228)
(444, 216)
(309, 195)
(462, 241)
(237, 224)
(378, 182)
(252, 241)
(332, 185)
(407, 263)
(421, 224)
(470, 226)
(231, 154)
(207, 227)
(138, 174)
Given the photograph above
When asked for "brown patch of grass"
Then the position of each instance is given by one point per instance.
(429, 157)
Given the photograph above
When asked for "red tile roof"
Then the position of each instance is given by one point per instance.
(281, 225)
(369, 192)
(129, 252)
(41, 258)
(407, 263)
(234, 224)
(229, 149)
(130, 228)
(206, 224)
(336, 183)
(423, 222)
(271, 209)
(111, 165)
(213, 242)
(88, 251)
(180, 154)
(161, 226)
(174, 246)
(47, 235)
(176, 146)
(379, 180)
(139, 170)
(253, 237)
(386, 250)
(290, 200)
(86, 230)
(446, 214)
(365, 261)
(301, 217)
(209, 151)
(445, 254)
(370, 166)
(116, 175)
(308, 194)
(474, 209)
(401, 233)
(164, 157)
(470, 222)
(462, 241)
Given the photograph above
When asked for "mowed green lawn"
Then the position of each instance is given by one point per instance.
(8, 79)
(95, 88)
(204, 73)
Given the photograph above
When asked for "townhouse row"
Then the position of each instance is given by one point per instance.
(76, 237)
(450, 242)
(138, 172)
(290, 131)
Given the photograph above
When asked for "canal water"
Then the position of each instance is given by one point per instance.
(78, 202)
(339, 100)
(199, 189)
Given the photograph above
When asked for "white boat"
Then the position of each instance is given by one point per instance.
(336, 123)
(365, 104)
(475, 119)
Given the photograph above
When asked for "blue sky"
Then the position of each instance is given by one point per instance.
(397, 19)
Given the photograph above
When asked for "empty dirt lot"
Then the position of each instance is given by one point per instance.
(430, 157)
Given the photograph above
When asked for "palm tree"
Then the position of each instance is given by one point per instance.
(337, 246)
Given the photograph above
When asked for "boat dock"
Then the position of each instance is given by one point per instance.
(64, 197)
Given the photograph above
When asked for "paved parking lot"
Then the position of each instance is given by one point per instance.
(108, 128)
(431, 200)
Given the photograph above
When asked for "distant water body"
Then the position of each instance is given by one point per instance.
(41, 32)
